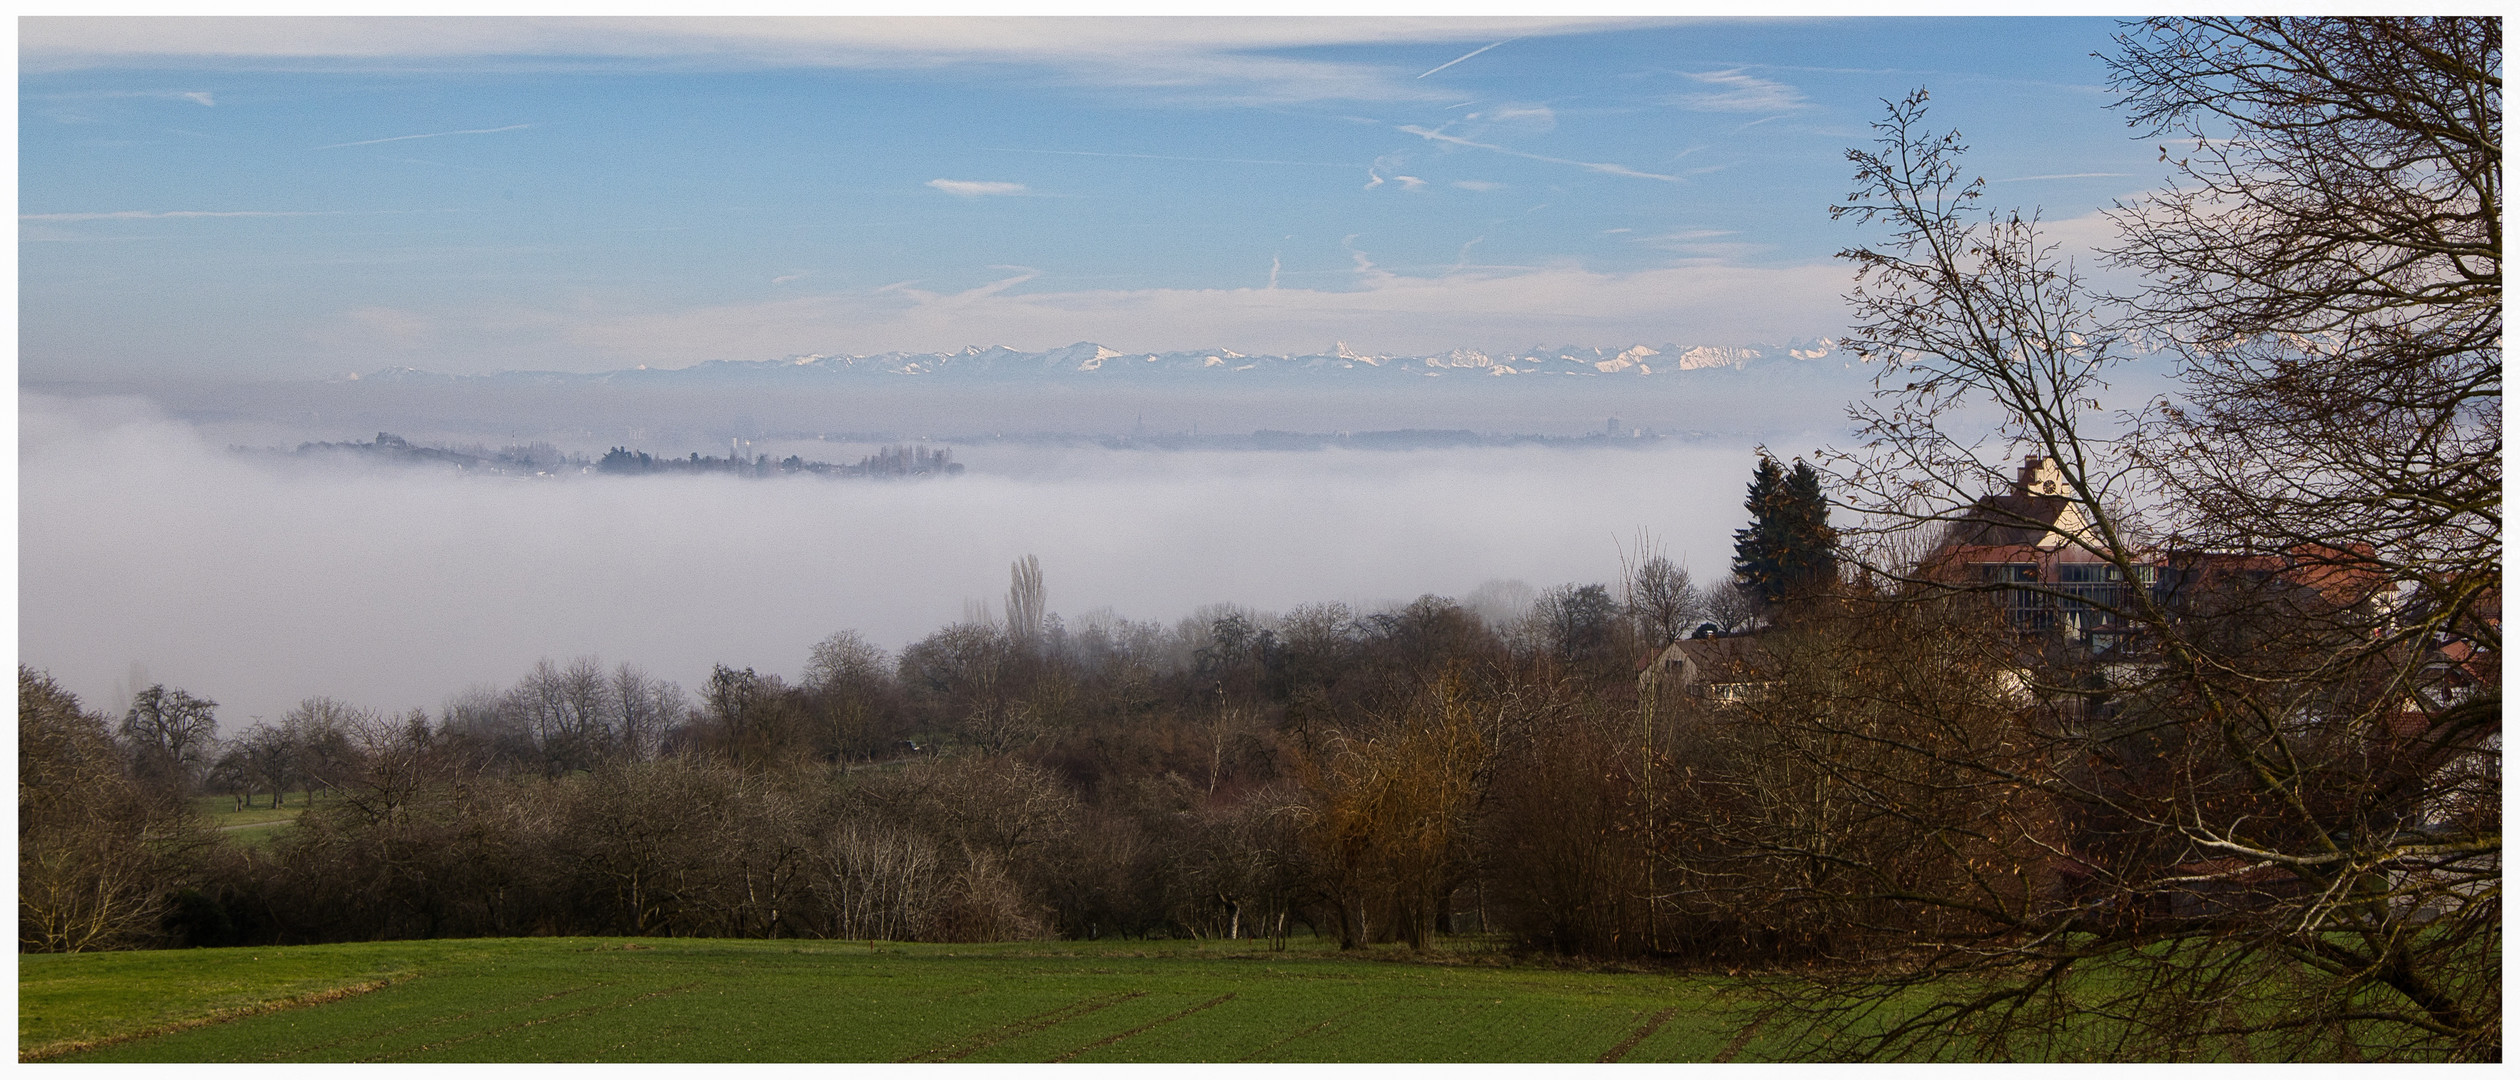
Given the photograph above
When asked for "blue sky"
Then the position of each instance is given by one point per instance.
(249, 199)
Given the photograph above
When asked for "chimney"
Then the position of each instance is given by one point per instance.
(2039, 476)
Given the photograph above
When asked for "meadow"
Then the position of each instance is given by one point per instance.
(253, 826)
(683, 999)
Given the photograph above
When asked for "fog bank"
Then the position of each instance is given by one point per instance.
(259, 582)
(1764, 403)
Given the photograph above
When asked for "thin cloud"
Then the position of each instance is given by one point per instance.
(1611, 168)
(1366, 271)
(1376, 175)
(1170, 157)
(1539, 117)
(198, 97)
(128, 215)
(1462, 57)
(31, 239)
(1209, 59)
(1477, 185)
(1704, 244)
(1689, 235)
(973, 189)
(2058, 176)
(1415, 309)
(1738, 92)
(429, 135)
(1367, 303)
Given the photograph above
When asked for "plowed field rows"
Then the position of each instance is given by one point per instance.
(695, 1000)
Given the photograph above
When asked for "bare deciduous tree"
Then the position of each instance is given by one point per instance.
(170, 731)
(752, 719)
(268, 761)
(880, 883)
(1578, 624)
(313, 747)
(1026, 603)
(1659, 596)
(1390, 811)
(854, 697)
(1731, 607)
(97, 852)
(2272, 793)
(644, 711)
(2332, 277)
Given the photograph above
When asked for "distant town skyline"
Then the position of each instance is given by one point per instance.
(260, 198)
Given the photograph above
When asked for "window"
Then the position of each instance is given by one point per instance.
(2025, 609)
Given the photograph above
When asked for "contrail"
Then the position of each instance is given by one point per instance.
(1170, 157)
(436, 134)
(1464, 56)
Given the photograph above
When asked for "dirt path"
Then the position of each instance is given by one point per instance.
(256, 825)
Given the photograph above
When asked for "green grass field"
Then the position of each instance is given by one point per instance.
(254, 826)
(615, 999)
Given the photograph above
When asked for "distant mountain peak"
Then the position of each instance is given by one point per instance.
(1089, 360)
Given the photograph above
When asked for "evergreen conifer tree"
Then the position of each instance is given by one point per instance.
(1788, 547)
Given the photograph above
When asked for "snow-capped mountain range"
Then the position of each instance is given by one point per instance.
(1086, 360)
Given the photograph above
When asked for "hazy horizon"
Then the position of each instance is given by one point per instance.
(262, 198)
(259, 581)
(220, 218)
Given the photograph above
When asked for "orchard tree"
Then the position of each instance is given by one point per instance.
(269, 761)
(313, 748)
(169, 733)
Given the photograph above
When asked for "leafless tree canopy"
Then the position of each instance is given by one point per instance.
(98, 840)
(1026, 603)
(2339, 177)
(1660, 597)
(2331, 268)
(170, 731)
(2249, 723)
(2171, 735)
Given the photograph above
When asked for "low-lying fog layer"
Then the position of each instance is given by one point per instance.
(261, 581)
